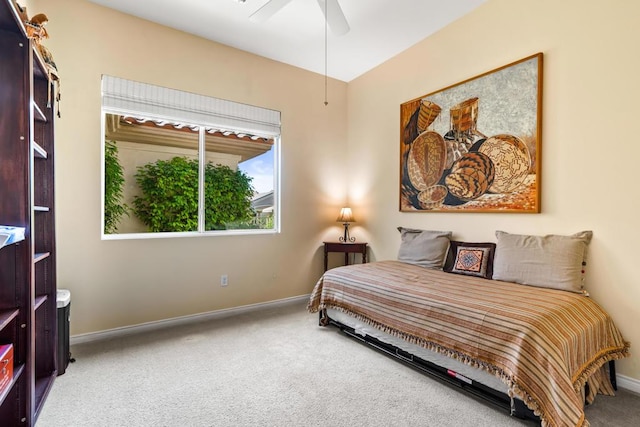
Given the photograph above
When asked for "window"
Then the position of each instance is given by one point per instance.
(177, 163)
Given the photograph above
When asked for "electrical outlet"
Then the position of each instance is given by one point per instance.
(224, 280)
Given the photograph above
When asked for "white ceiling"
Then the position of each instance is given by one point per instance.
(380, 29)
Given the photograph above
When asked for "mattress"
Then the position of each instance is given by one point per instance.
(467, 371)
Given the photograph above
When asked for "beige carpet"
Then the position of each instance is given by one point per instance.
(272, 367)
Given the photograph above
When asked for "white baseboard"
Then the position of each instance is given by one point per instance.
(159, 324)
(628, 383)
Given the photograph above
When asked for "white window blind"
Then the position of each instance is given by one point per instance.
(126, 96)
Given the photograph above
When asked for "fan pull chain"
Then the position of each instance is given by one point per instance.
(326, 23)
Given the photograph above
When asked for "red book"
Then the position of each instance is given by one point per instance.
(6, 365)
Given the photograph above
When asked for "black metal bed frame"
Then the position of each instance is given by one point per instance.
(502, 400)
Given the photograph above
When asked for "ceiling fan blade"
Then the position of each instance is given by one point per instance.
(334, 16)
(269, 9)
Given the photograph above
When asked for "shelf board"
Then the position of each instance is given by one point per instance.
(38, 151)
(38, 114)
(39, 301)
(7, 316)
(40, 256)
(17, 371)
(41, 208)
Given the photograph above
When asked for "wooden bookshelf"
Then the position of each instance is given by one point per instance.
(27, 268)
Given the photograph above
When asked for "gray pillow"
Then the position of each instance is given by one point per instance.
(551, 261)
(423, 247)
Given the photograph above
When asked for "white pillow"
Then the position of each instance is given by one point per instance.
(425, 248)
(551, 261)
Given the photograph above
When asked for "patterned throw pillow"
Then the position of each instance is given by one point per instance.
(471, 259)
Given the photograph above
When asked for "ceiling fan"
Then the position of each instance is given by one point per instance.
(330, 8)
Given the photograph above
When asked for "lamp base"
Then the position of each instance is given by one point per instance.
(346, 238)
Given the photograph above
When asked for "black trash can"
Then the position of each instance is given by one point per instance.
(64, 317)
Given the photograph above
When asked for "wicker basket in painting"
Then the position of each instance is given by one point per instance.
(464, 116)
(512, 161)
(426, 160)
(470, 177)
(429, 111)
(432, 197)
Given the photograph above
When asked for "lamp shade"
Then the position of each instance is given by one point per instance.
(345, 215)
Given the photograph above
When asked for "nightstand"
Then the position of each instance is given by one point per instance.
(346, 248)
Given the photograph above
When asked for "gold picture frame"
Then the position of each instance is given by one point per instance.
(475, 146)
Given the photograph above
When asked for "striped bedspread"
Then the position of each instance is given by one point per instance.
(544, 344)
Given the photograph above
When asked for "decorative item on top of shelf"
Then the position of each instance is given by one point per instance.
(36, 30)
(36, 27)
(345, 217)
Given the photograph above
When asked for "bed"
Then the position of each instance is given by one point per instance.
(541, 351)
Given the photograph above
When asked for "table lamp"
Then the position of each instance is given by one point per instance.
(345, 218)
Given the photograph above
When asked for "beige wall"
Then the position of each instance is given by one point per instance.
(589, 148)
(127, 282)
(588, 160)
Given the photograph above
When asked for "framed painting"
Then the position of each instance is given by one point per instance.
(475, 146)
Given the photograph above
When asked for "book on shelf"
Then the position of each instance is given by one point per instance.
(10, 234)
(6, 365)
